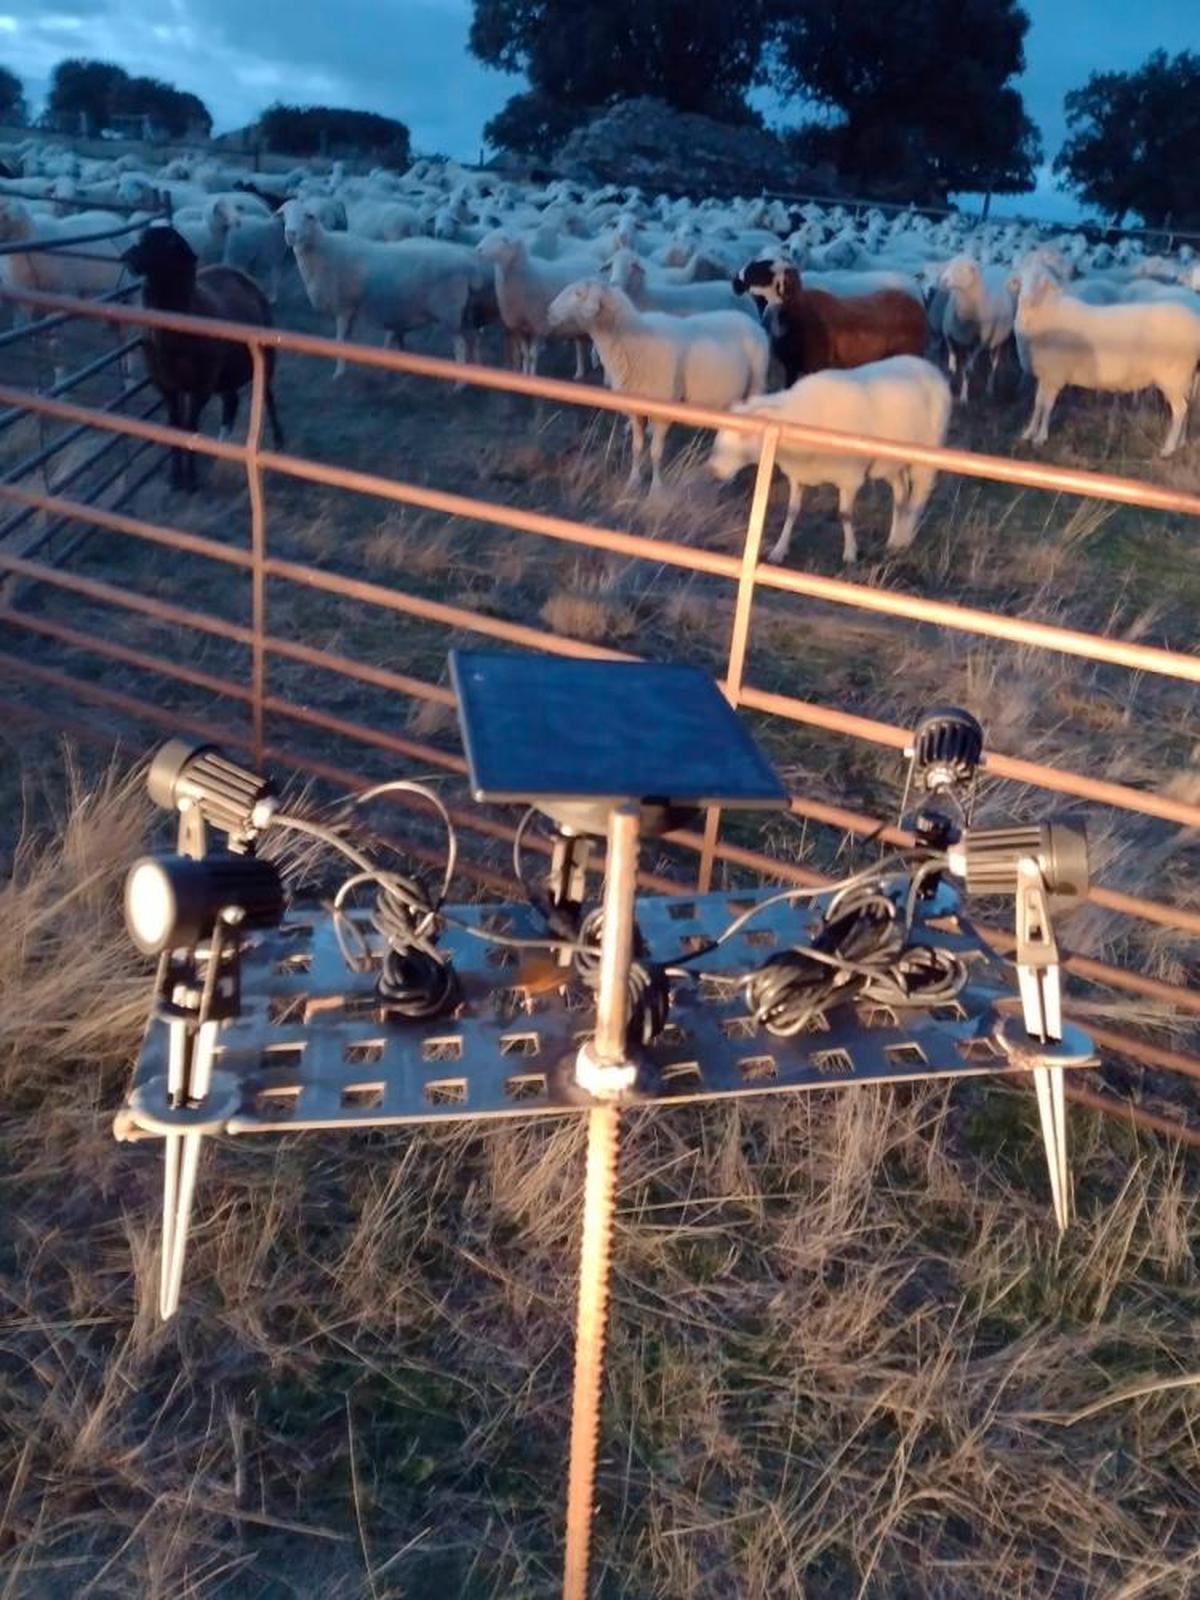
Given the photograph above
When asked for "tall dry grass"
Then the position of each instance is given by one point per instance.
(849, 1354)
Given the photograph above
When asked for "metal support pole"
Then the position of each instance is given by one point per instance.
(258, 551)
(595, 1259)
(608, 1071)
(739, 638)
(616, 939)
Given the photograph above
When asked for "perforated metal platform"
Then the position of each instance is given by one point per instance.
(312, 1051)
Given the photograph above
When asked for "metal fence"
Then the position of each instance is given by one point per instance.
(256, 565)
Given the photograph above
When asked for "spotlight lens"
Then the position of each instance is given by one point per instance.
(149, 907)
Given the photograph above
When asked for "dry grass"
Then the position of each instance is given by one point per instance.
(849, 1355)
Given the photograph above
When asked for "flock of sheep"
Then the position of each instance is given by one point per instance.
(870, 322)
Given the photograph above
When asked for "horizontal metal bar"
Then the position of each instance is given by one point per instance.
(436, 611)
(28, 463)
(131, 487)
(116, 700)
(1069, 641)
(125, 599)
(414, 749)
(663, 551)
(134, 527)
(1125, 1111)
(172, 438)
(344, 667)
(47, 324)
(1134, 1049)
(121, 470)
(968, 619)
(1101, 792)
(1003, 469)
(110, 358)
(112, 651)
(30, 247)
(72, 475)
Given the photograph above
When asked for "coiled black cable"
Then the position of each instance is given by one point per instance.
(649, 991)
(860, 951)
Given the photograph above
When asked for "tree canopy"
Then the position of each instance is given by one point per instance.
(319, 130)
(580, 55)
(99, 92)
(13, 110)
(916, 95)
(1133, 141)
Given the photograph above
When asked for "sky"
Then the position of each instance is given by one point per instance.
(409, 58)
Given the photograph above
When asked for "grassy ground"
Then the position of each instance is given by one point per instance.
(849, 1358)
(849, 1355)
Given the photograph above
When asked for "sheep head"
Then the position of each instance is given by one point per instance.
(301, 223)
(732, 451)
(961, 273)
(586, 304)
(164, 255)
(500, 248)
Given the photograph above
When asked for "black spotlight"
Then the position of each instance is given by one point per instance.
(946, 750)
(174, 902)
(987, 859)
(239, 802)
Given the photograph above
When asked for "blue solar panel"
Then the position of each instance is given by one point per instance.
(548, 728)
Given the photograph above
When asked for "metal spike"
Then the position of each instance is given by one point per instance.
(595, 1261)
(1052, 1110)
(182, 1159)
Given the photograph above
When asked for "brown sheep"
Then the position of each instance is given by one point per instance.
(186, 368)
(812, 331)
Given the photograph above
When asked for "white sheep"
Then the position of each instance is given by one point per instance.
(255, 245)
(382, 219)
(903, 399)
(398, 286)
(712, 359)
(525, 288)
(648, 293)
(84, 269)
(977, 317)
(1116, 349)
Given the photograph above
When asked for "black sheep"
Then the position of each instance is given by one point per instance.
(186, 368)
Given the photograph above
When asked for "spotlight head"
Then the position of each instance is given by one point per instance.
(232, 798)
(987, 858)
(946, 750)
(174, 902)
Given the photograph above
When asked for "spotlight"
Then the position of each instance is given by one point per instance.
(946, 749)
(175, 902)
(185, 776)
(944, 758)
(988, 860)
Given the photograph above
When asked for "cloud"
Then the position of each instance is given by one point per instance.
(409, 58)
(406, 60)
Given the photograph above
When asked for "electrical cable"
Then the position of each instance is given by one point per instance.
(649, 991)
(861, 950)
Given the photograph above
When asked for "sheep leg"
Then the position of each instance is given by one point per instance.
(1049, 395)
(229, 411)
(1179, 408)
(343, 330)
(193, 410)
(908, 505)
(581, 359)
(276, 430)
(175, 420)
(658, 439)
(846, 517)
(637, 439)
(783, 544)
(533, 349)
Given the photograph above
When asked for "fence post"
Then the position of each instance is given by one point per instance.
(258, 548)
(740, 634)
